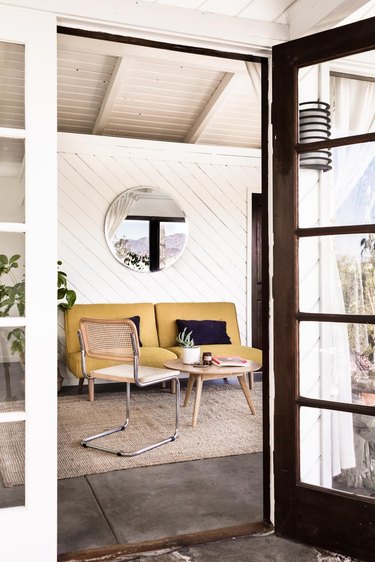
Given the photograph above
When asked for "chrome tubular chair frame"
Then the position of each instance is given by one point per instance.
(87, 442)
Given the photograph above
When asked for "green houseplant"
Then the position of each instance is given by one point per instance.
(67, 297)
(190, 352)
(12, 296)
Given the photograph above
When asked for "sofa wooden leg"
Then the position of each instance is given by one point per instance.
(173, 386)
(250, 377)
(80, 385)
(91, 389)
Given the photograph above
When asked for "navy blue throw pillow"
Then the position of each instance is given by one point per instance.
(137, 321)
(205, 332)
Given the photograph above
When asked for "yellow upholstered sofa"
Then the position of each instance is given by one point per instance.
(167, 313)
(158, 331)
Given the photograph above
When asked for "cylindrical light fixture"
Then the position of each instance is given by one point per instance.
(314, 125)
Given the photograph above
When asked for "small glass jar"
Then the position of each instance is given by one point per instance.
(206, 358)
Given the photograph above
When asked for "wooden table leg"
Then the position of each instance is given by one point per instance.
(198, 394)
(246, 391)
(189, 388)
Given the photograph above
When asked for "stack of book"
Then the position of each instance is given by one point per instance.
(229, 361)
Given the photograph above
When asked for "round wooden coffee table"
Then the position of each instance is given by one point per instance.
(201, 374)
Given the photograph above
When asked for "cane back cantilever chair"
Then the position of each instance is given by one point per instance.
(117, 340)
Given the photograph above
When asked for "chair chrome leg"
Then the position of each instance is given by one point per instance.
(87, 441)
(110, 431)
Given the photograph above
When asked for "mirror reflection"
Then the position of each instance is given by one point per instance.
(145, 229)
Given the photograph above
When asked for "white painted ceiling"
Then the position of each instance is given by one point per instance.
(267, 10)
(282, 11)
(119, 89)
(130, 91)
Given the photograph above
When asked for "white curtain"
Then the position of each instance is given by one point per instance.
(354, 110)
(117, 213)
(353, 114)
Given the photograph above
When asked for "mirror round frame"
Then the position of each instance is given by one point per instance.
(152, 216)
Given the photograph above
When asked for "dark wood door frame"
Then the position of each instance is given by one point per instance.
(256, 271)
(321, 517)
(252, 527)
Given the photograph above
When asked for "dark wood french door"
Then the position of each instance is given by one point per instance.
(256, 272)
(324, 290)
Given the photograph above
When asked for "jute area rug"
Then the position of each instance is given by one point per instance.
(225, 427)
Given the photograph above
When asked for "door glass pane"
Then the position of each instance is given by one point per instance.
(12, 180)
(337, 274)
(12, 462)
(332, 103)
(12, 274)
(345, 194)
(336, 362)
(12, 85)
(12, 368)
(337, 450)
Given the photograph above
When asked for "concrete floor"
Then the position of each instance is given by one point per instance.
(161, 501)
(155, 502)
(167, 500)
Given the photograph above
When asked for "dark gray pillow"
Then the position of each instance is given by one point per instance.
(205, 332)
(137, 321)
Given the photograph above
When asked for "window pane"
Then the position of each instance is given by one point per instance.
(336, 362)
(345, 194)
(12, 180)
(344, 105)
(12, 274)
(173, 236)
(12, 85)
(337, 450)
(12, 367)
(337, 274)
(12, 463)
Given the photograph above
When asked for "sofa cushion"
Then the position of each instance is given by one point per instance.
(145, 311)
(251, 353)
(149, 357)
(205, 331)
(167, 314)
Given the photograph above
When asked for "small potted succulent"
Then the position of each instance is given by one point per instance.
(190, 352)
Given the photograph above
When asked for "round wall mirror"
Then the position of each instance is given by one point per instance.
(145, 229)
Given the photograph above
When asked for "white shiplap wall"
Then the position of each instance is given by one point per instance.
(212, 185)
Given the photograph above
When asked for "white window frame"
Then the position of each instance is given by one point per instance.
(29, 532)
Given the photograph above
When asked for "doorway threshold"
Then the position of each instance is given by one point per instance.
(117, 552)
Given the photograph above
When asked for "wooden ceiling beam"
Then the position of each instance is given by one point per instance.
(150, 54)
(211, 108)
(110, 96)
